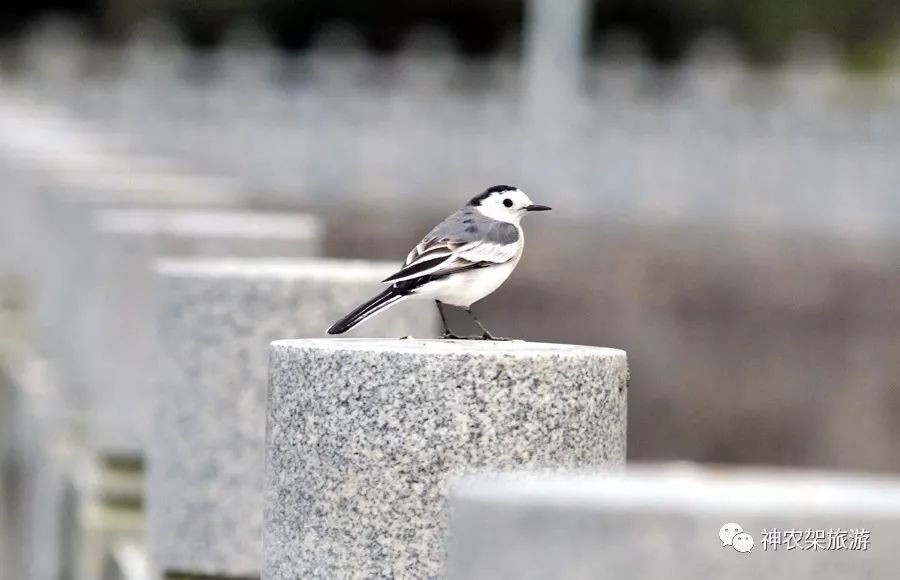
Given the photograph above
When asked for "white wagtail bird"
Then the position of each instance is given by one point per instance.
(463, 259)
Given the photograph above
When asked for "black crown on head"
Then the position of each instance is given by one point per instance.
(490, 191)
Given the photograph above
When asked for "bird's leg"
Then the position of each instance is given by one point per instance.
(484, 331)
(447, 333)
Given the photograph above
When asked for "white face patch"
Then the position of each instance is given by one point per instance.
(506, 206)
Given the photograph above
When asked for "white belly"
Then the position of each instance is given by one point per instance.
(468, 287)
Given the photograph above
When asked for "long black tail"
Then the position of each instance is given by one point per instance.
(370, 308)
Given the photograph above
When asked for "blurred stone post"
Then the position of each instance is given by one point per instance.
(126, 244)
(120, 343)
(676, 522)
(57, 172)
(66, 207)
(554, 54)
(216, 319)
(553, 72)
(364, 435)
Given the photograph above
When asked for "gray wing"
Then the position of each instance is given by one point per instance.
(464, 240)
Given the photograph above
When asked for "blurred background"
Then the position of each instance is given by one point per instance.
(724, 175)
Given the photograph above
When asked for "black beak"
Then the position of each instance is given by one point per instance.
(536, 207)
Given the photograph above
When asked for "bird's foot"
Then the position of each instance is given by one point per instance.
(488, 336)
(451, 336)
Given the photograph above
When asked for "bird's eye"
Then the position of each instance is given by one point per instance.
(507, 202)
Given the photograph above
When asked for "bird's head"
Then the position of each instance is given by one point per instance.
(504, 203)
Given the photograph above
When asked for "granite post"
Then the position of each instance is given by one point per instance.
(63, 323)
(122, 308)
(118, 343)
(363, 437)
(673, 523)
(65, 208)
(206, 461)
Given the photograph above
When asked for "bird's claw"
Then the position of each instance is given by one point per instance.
(451, 336)
(489, 336)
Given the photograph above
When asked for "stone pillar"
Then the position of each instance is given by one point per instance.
(33, 468)
(53, 453)
(216, 319)
(554, 52)
(119, 352)
(364, 435)
(66, 215)
(122, 305)
(676, 522)
(56, 175)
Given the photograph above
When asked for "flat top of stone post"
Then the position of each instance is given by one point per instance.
(515, 348)
(693, 489)
(274, 268)
(201, 223)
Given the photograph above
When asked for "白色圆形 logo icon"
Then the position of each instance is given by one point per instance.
(733, 535)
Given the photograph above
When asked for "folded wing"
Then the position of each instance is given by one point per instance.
(444, 256)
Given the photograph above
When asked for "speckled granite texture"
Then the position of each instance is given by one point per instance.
(363, 437)
(662, 523)
(207, 456)
(122, 304)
